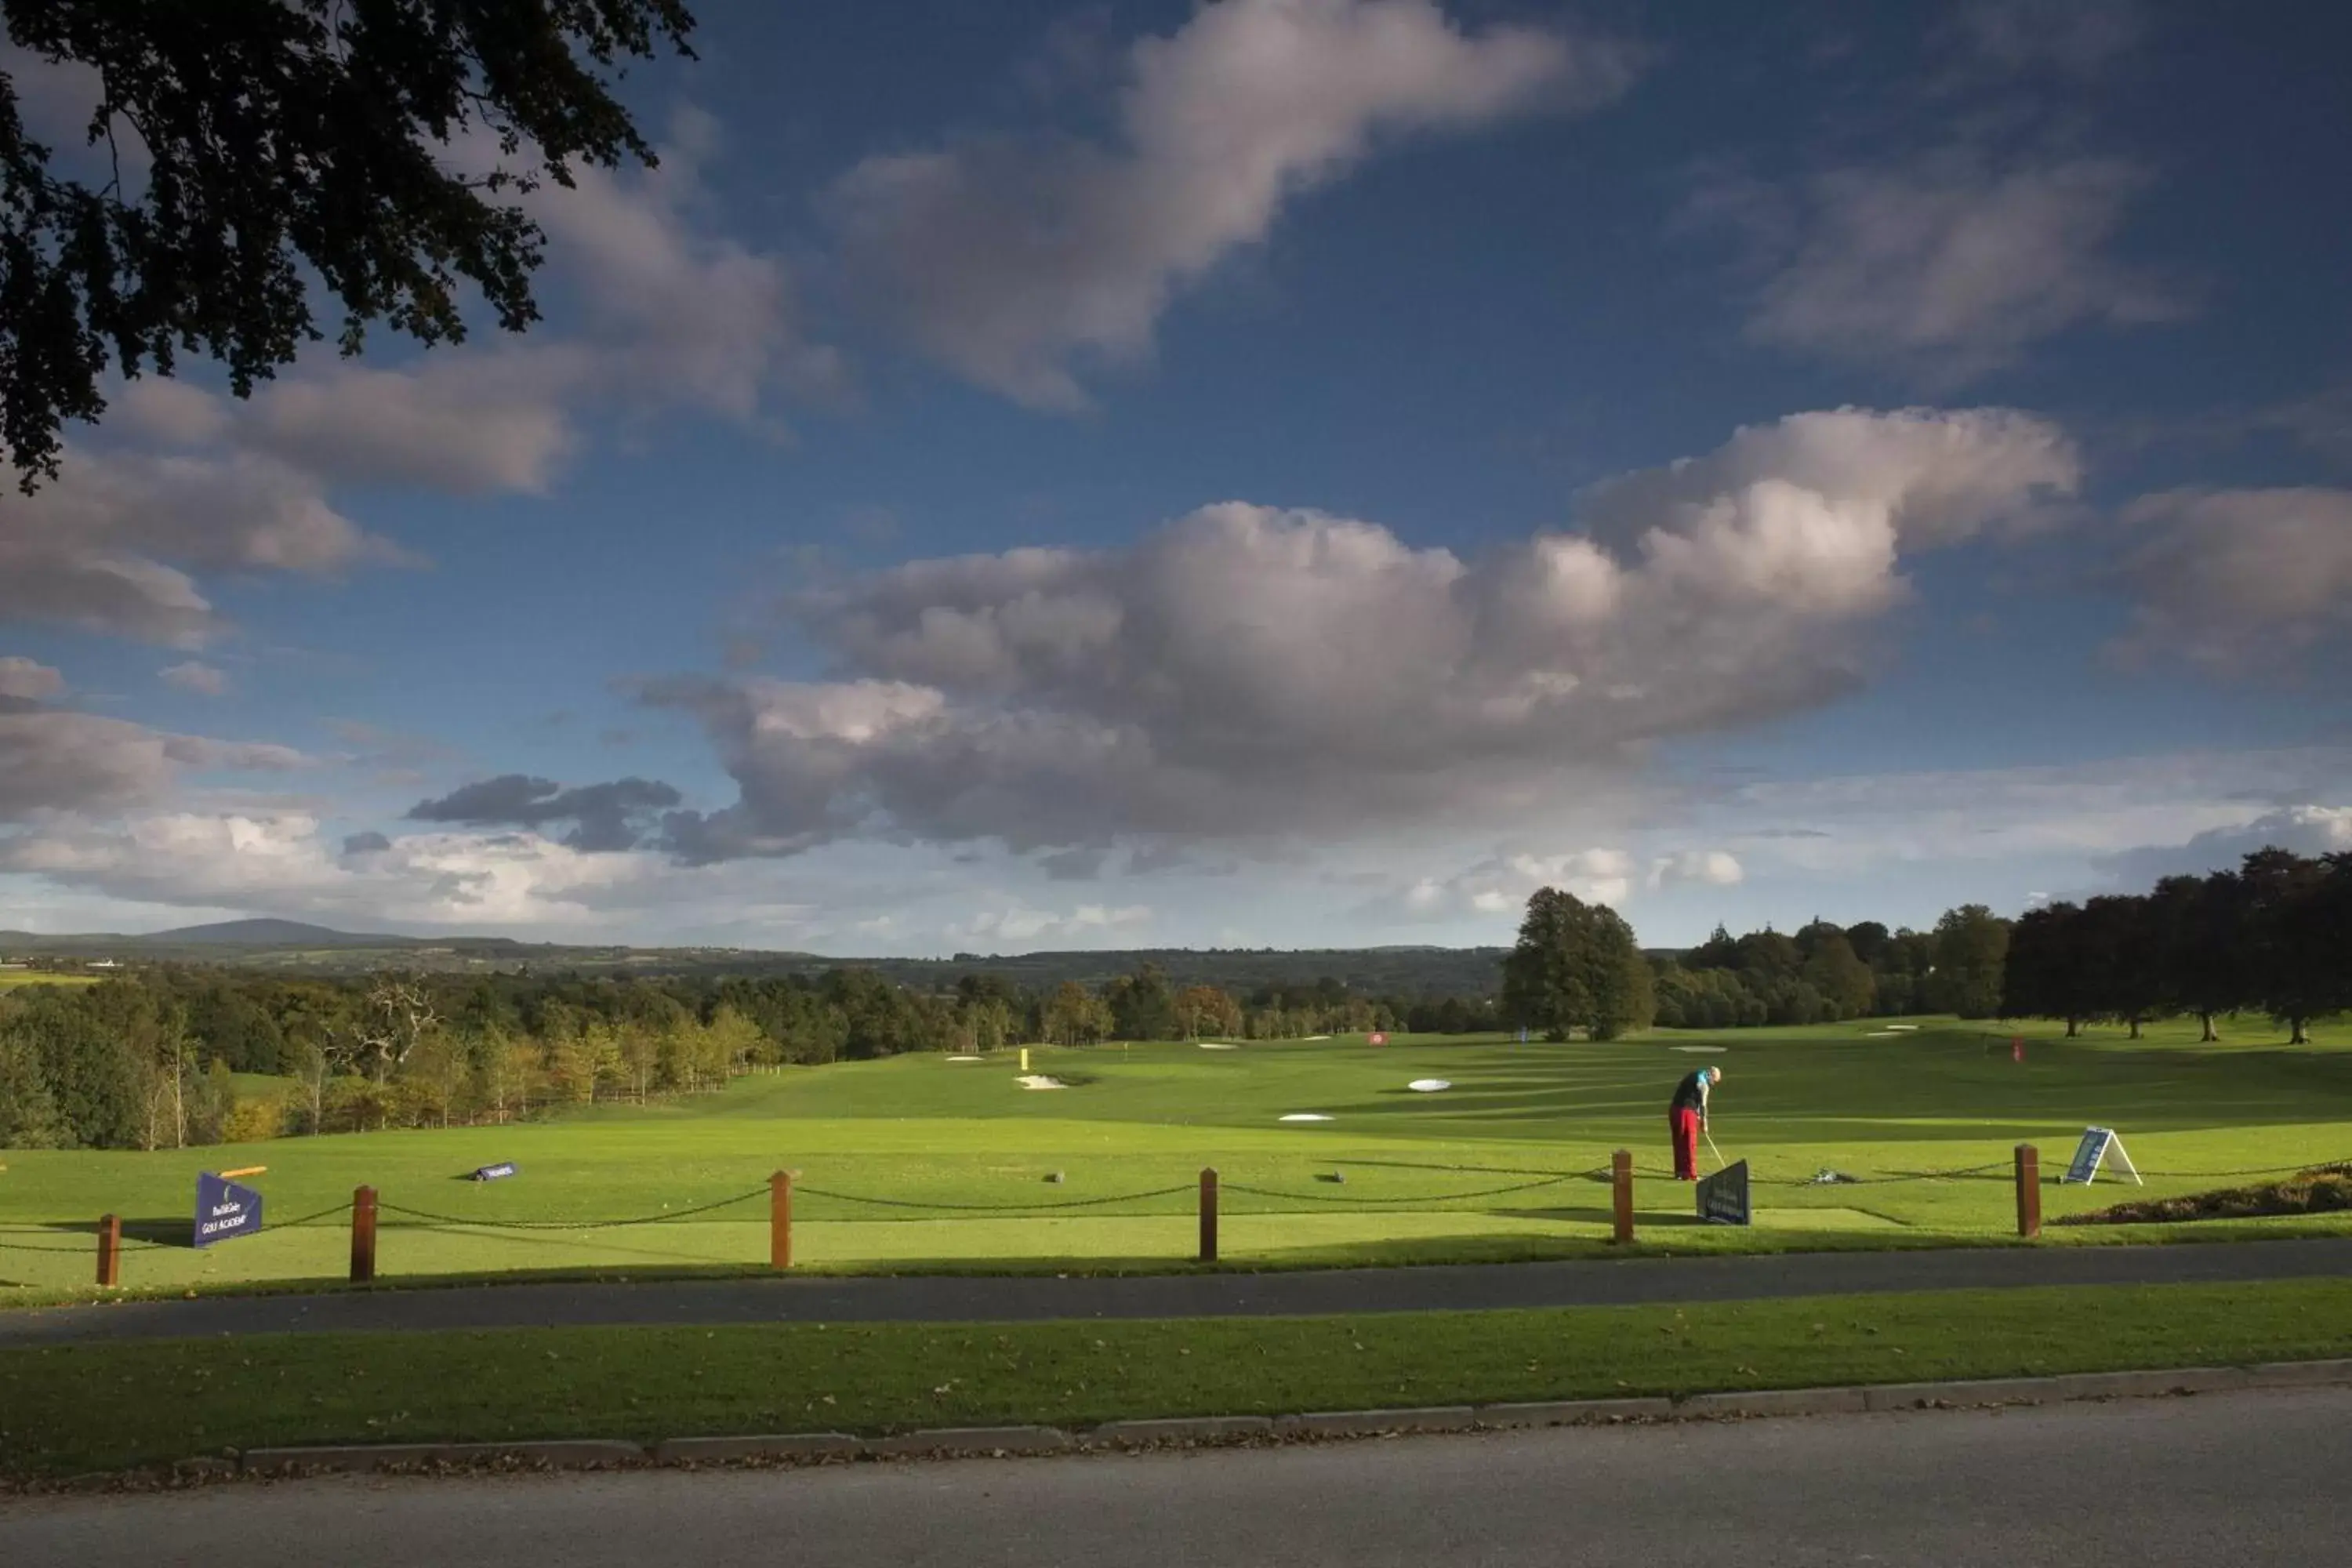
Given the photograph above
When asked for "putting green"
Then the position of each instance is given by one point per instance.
(922, 1162)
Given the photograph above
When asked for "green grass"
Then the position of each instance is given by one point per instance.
(13, 977)
(1420, 1170)
(73, 1409)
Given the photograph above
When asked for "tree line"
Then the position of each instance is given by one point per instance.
(1576, 969)
(2272, 937)
(148, 1058)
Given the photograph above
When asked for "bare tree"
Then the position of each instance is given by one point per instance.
(395, 1016)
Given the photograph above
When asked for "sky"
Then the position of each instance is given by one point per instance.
(1270, 473)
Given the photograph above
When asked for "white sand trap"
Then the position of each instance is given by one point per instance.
(1429, 1085)
(1902, 1028)
(1305, 1116)
(1702, 1051)
(963, 1058)
(1217, 1046)
(1039, 1080)
(1883, 1034)
(1318, 1036)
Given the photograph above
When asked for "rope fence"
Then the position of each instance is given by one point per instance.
(363, 1207)
(665, 1217)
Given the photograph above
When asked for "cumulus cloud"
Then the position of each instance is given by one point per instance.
(1026, 927)
(1949, 265)
(281, 862)
(104, 545)
(669, 312)
(2048, 816)
(26, 681)
(2235, 579)
(1704, 868)
(1010, 259)
(54, 759)
(1246, 671)
(2304, 830)
(607, 817)
(203, 679)
(1499, 887)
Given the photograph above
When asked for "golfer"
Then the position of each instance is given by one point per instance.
(1687, 1119)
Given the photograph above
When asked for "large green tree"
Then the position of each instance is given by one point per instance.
(2198, 925)
(2296, 962)
(1577, 966)
(1971, 948)
(250, 150)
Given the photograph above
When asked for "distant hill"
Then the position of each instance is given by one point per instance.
(297, 947)
(267, 934)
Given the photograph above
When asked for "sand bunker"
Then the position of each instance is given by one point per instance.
(963, 1058)
(1429, 1085)
(1218, 1046)
(1040, 1080)
(1703, 1051)
(1319, 1037)
(1305, 1116)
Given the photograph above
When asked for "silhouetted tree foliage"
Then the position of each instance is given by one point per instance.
(244, 150)
(2274, 937)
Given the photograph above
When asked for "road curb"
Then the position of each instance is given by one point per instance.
(563, 1454)
(1178, 1429)
(981, 1442)
(781, 1446)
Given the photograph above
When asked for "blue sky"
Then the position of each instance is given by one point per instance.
(1286, 472)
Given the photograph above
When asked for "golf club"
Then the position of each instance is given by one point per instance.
(1719, 1161)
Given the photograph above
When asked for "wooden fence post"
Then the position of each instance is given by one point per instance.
(364, 1236)
(779, 1220)
(1208, 1215)
(1621, 1172)
(110, 1250)
(2028, 1191)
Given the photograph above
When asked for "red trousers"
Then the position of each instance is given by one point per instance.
(1682, 1121)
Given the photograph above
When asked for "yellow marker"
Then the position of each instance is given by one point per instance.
(247, 1171)
(1025, 1059)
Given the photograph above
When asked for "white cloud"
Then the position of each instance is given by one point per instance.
(1873, 826)
(1706, 867)
(1246, 671)
(1499, 888)
(56, 760)
(2304, 830)
(671, 313)
(28, 681)
(284, 862)
(1950, 265)
(1023, 926)
(465, 422)
(104, 545)
(2235, 579)
(1012, 259)
(203, 679)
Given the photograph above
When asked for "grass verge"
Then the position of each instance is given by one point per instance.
(72, 1409)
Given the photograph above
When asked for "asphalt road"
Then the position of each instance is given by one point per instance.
(2161, 1483)
(1016, 1300)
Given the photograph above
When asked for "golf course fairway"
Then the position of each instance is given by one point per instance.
(921, 1162)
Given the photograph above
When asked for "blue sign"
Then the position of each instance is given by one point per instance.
(2089, 1154)
(1723, 1197)
(492, 1172)
(224, 1209)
